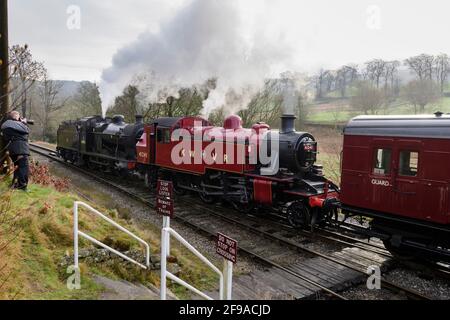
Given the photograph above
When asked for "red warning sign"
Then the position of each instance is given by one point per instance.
(164, 200)
(226, 247)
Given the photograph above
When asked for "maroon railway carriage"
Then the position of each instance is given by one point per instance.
(396, 170)
(297, 188)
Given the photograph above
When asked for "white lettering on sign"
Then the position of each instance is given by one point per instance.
(164, 200)
(226, 247)
(164, 189)
(164, 207)
(383, 183)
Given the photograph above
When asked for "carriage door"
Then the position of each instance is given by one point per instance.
(381, 175)
(406, 180)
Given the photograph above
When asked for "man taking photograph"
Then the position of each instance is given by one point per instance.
(15, 132)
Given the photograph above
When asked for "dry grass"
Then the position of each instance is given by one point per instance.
(330, 147)
(38, 229)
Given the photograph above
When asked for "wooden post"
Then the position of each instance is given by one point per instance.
(4, 70)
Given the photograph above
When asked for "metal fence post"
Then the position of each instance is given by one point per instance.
(228, 279)
(164, 237)
(166, 224)
(75, 235)
(229, 282)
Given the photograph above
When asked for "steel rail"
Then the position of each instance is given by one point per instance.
(44, 152)
(412, 294)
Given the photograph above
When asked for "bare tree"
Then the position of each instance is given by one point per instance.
(390, 75)
(375, 70)
(422, 66)
(320, 83)
(127, 104)
(266, 106)
(25, 72)
(217, 116)
(368, 99)
(420, 93)
(341, 81)
(352, 70)
(188, 103)
(442, 69)
(330, 79)
(48, 93)
(87, 99)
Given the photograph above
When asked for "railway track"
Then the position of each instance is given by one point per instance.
(272, 236)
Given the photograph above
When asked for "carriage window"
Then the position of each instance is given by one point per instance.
(163, 136)
(382, 161)
(409, 163)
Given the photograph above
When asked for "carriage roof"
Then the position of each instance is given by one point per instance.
(421, 126)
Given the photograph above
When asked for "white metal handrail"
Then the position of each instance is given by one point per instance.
(76, 232)
(165, 239)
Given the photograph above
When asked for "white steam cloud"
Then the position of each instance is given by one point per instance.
(205, 39)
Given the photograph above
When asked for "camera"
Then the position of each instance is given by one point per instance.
(26, 121)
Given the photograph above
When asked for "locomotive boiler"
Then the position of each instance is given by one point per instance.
(106, 143)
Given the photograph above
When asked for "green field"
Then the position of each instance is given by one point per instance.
(340, 111)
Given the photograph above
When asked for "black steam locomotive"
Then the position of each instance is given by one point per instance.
(107, 143)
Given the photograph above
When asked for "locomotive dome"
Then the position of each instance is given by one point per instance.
(233, 122)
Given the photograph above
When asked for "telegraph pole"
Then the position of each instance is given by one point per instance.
(4, 70)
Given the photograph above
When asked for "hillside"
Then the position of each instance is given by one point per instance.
(36, 246)
(338, 110)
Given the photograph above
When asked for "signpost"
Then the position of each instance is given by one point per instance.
(227, 248)
(164, 203)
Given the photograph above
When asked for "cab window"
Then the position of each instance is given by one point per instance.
(409, 163)
(163, 135)
(382, 161)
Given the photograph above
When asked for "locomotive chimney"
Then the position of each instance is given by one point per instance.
(139, 119)
(287, 123)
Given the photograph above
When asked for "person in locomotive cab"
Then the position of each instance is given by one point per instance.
(15, 132)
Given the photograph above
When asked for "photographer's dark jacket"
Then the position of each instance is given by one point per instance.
(15, 133)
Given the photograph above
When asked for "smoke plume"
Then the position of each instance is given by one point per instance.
(205, 39)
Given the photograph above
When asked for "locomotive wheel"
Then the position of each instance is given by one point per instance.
(329, 218)
(298, 215)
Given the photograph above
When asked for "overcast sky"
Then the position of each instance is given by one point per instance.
(325, 33)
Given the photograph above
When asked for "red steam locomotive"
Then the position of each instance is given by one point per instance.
(290, 182)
